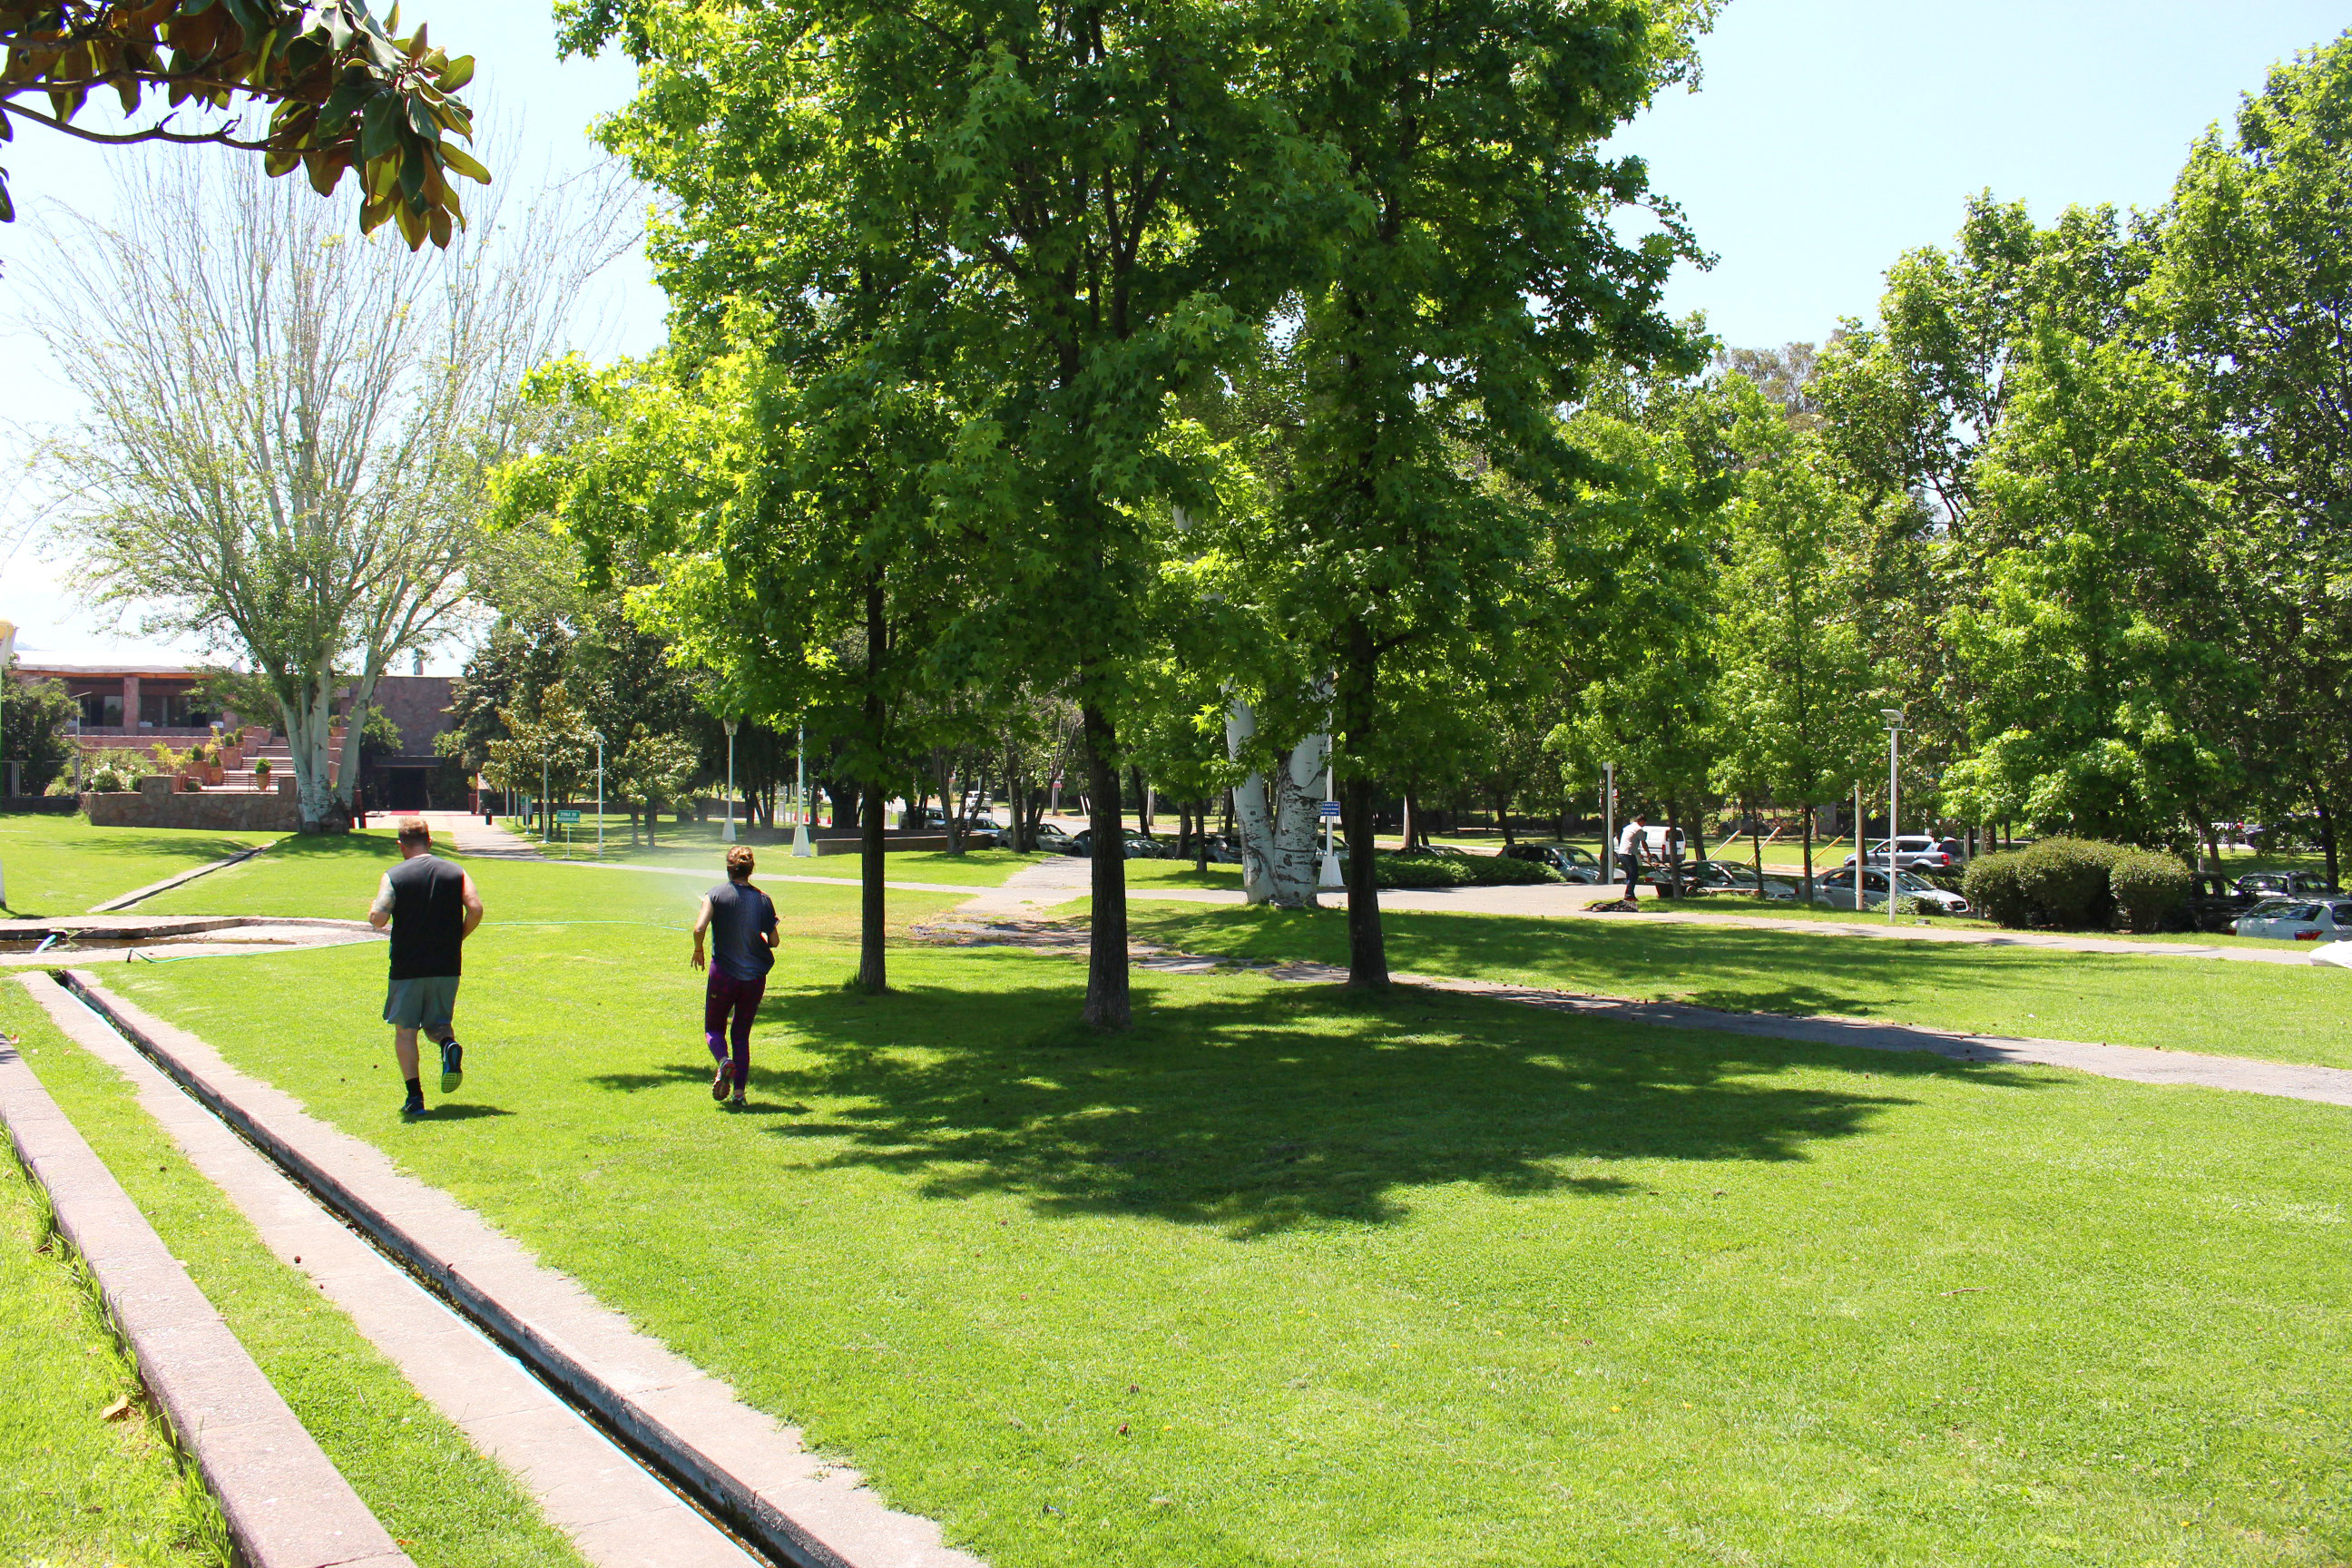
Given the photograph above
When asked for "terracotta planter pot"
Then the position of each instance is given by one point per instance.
(233, 758)
(212, 772)
(261, 778)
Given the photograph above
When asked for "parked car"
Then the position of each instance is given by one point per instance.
(2213, 904)
(1837, 891)
(1917, 852)
(2285, 885)
(1730, 877)
(1437, 852)
(1225, 849)
(1054, 839)
(2326, 921)
(1573, 864)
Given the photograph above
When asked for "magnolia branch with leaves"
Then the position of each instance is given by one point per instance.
(345, 92)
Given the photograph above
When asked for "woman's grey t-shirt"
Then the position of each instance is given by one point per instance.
(739, 915)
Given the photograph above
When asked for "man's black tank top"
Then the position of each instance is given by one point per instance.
(429, 917)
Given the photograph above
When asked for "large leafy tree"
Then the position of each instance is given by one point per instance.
(343, 92)
(289, 430)
(1797, 684)
(1100, 192)
(2255, 286)
(1472, 282)
(2099, 647)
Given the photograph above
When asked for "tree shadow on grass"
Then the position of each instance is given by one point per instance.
(1258, 1108)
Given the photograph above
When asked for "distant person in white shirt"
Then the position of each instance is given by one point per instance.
(1631, 844)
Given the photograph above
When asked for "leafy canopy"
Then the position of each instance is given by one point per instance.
(345, 91)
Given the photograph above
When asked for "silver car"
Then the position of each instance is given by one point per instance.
(2329, 920)
(1836, 890)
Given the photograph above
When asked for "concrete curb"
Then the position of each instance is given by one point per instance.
(617, 1515)
(168, 883)
(735, 1462)
(285, 1504)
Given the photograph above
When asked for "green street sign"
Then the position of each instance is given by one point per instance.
(567, 818)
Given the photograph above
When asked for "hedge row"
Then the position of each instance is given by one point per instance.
(1444, 872)
(2077, 884)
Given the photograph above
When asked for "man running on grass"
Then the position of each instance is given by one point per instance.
(432, 909)
(742, 922)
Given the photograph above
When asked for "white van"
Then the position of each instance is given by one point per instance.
(1662, 843)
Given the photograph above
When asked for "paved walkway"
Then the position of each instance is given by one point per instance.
(1555, 901)
(468, 834)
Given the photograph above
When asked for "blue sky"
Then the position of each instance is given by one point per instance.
(1828, 137)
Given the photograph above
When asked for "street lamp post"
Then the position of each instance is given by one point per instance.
(1894, 717)
(599, 738)
(546, 823)
(801, 844)
(1608, 824)
(1330, 878)
(727, 834)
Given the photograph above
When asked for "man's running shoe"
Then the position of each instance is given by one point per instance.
(736, 1103)
(453, 1066)
(414, 1104)
(721, 1081)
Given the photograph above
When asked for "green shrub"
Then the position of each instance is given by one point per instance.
(1994, 890)
(1442, 872)
(2148, 888)
(2076, 884)
(2064, 882)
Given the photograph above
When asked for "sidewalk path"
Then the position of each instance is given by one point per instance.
(1555, 901)
(468, 834)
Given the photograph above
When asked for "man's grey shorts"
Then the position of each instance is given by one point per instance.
(425, 1003)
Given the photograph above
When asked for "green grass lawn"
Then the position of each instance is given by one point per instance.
(2284, 1014)
(1286, 1277)
(75, 1486)
(61, 865)
(445, 1503)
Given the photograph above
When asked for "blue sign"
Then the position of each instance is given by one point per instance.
(1330, 808)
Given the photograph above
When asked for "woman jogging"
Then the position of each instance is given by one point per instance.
(742, 922)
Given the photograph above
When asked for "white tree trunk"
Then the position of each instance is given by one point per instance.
(1281, 862)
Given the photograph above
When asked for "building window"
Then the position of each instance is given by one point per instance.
(173, 710)
(102, 710)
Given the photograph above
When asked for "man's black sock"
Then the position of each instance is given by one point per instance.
(415, 1087)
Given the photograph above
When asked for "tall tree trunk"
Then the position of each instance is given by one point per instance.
(2327, 835)
(1755, 841)
(1201, 842)
(1109, 1004)
(1412, 834)
(653, 810)
(1367, 957)
(1809, 854)
(873, 974)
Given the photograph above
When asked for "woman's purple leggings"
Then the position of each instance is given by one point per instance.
(726, 996)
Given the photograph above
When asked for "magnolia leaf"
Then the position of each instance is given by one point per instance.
(460, 72)
(458, 158)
